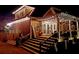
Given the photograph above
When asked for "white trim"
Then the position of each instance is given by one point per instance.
(18, 21)
(77, 25)
(18, 9)
(70, 28)
(21, 8)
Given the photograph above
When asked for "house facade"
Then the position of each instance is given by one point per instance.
(45, 26)
(21, 23)
(53, 22)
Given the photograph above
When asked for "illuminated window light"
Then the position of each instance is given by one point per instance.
(18, 21)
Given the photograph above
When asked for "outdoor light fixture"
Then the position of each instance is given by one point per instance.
(18, 21)
(9, 24)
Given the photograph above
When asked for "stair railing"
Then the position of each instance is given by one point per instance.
(40, 46)
(41, 43)
(25, 37)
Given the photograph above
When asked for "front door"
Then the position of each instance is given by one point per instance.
(47, 28)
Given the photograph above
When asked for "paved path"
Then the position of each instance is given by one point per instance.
(10, 49)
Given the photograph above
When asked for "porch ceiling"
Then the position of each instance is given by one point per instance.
(66, 16)
(43, 18)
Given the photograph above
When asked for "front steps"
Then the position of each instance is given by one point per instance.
(33, 46)
(48, 46)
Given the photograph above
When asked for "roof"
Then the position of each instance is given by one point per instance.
(66, 16)
(42, 10)
(42, 18)
(38, 11)
(22, 8)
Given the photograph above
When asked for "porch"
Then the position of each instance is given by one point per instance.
(43, 28)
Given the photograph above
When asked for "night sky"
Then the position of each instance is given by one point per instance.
(7, 9)
(40, 9)
(72, 9)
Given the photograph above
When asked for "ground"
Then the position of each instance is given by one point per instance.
(6, 48)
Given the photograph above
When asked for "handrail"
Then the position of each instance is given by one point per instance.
(55, 43)
(42, 42)
(25, 36)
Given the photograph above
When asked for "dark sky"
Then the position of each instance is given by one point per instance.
(40, 9)
(7, 9)
(72, 9)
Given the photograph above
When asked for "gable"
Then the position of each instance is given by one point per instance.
(49, 13)
(23, 12)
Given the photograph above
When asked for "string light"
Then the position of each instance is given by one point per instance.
(18, 21)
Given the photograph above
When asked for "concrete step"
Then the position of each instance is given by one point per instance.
(49, 42)
(30, 50)
(36, 42)
(37, 45)
(33, 47)
(33, 42)
(46, 44)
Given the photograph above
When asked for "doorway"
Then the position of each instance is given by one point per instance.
(48, 27)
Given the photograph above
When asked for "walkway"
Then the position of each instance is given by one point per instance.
(10, 49)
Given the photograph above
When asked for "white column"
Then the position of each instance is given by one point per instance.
(70, 31)
(43, 28)
(56, 48)
(77, 30)
(59, 32)
(53, 27)
(30, 30)
(77, 25)
(65, 44)
(59, 38)
(46, 29)
(70, 28)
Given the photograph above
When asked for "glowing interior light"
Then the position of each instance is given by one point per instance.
(18, 21)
